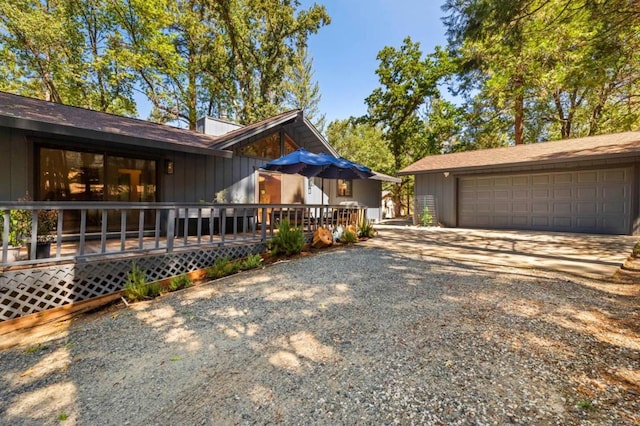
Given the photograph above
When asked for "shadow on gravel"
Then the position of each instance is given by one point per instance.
(357, 335)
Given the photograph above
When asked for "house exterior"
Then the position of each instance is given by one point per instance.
(127, 191)
(588, 185)
(56, 152)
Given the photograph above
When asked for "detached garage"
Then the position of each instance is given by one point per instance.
(589, 185)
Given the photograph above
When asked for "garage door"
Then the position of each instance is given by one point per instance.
(593, 201)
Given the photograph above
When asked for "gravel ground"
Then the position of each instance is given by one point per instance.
(358, 335)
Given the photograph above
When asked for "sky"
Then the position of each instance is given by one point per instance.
(344, 52)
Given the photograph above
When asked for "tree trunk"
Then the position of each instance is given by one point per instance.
(519, 113)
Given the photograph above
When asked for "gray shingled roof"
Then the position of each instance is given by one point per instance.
(48, 117)
(588, 148)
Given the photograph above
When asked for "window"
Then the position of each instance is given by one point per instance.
(67, 175)
(345, 188)
(269, 147)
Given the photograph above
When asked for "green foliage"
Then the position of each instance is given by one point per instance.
(62, 417)
(301, 92)
(586, 405)
(366, 230)
(636, 250)
(135, 287)
(362, 142)
(406, 81)
(252, 261)
(17, 228)
(530, 66)
(348, 237)
(236, 57)
(179, 282)
(287, 241)
(425, 218)
(153, 290)
(221, 268)
(37, 348)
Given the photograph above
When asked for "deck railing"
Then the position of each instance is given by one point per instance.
(90, 229)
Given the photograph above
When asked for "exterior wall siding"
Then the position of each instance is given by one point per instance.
(443, 189)
(16, 170)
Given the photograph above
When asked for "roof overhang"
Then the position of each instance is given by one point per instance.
(48, 128)
(496, 167)
(618, 147)
(385, 178)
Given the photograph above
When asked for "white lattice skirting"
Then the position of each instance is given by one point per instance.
(28, 291)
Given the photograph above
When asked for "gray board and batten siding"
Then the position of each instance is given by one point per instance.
(588, 197)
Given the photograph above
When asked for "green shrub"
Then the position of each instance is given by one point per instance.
(181, 281)
(636, 250)
(135, 288)
(365, 229)
(222, 267)
(348, 237)
(426, 219)
(153, 289)
(288, 241)
(252, 261)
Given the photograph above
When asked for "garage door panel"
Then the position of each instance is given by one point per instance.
(541, 180)
(520, 181)
(562, 178)
(562, 193)
(501, 221)
(540, 207)
(540, 221)
(614, 176)
(521, 194)
(520, 207)
(502, 194)
(595, 201)
(484, 183)
(613, 208)
(613, 193)
(586, 208)
(586, 222)
(587, 177)
(484, 195)
(541, 193)
(520, 221)
(562, 209)
(562, 222)
(502, 208)
(586, 193)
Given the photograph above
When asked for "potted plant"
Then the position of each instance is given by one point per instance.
(15, 239)
(47, 223)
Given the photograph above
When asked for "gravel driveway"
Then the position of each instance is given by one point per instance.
(357, 335)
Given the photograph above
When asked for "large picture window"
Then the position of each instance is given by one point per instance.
(67, 175)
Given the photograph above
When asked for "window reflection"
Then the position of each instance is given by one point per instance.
(345, 188)
(268, 147)
(67, 175)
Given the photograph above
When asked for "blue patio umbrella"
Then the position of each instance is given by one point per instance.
(344, 169)
(320, 165)
(300, 162)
